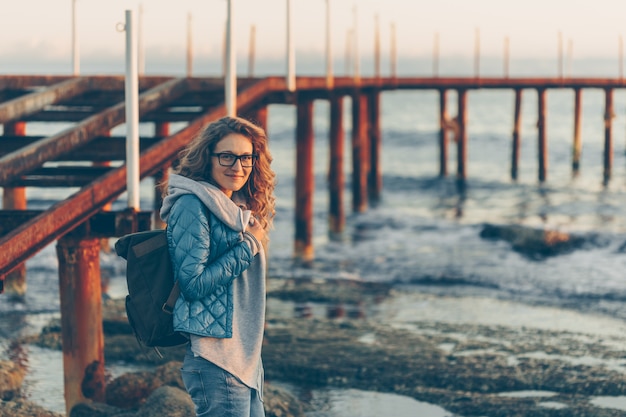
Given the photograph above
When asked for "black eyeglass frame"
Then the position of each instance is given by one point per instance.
(235, 159)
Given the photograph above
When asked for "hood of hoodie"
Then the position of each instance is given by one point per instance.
(218, 203)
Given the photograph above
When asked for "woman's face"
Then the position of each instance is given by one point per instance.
(231, 178)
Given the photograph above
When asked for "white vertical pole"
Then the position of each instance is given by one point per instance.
(230, 82)
(621, 57)
(394, 53)
(436, 55)
(377, 46)
(348, 52)
(75, 50)
(251, 51)
(506, 57)
(189, 46)
(477, 53)
(132, 114)
(329, 52)
(570, 53)
(560, 54)
(141, 60)
(224, 46)
(357, 73)
(291, 56)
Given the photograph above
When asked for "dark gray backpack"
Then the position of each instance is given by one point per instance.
(152, 291)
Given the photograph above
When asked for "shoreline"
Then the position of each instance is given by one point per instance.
(467, 355)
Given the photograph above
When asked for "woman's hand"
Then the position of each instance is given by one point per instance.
(255, 228)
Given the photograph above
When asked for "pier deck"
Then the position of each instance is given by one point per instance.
(95, 105)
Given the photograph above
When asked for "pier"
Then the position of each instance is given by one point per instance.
(88, 159)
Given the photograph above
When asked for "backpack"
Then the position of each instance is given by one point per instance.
(152, 291)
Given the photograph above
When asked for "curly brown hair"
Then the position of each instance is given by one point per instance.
(195, 162)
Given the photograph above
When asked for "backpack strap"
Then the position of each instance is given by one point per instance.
(168, 307)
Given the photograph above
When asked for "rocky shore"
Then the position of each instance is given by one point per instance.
(328, 334)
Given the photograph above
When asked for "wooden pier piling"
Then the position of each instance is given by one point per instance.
(462, 135)
(81, 320)
(14, 198)
(161, 129)
(360, 151)
(608, 134)
(443, 142)
(517, 127)
(336, 180)
(304, 179)
(578, 146)
(542, 144)
(374, 178)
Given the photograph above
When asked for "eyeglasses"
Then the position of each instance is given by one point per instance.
(228, 159)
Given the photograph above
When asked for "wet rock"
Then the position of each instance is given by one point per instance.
(131, 389)
(22, 408)
(280, 403)
(535, 243)
(466, 379)
(167, 401)
(163, 401)
(172, 401)
(461, 367)
(328, 290)
(98, 410)
(11, 379)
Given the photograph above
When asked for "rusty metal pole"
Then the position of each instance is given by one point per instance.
(258, 116)
(336, 218)
(462, 135)
(542, 139)
(14, 198)
(517, 127)
(374, 177)
(577, 149)
(608, 134)
(104, 242)
(81, 320)
(304, 180)
(443, 143)
(161, 129)
(359, 152)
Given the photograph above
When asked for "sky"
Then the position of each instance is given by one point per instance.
(36, 34)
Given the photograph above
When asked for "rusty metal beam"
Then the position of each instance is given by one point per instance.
(28, 104)
(20, 82)
(77, 116)
(64, 216)
(62, 176)
(35, 155)
(101, 148)
(103, 224)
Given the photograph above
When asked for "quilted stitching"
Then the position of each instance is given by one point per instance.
(207, 256)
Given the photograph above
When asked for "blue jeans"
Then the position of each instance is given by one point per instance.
(217, 393)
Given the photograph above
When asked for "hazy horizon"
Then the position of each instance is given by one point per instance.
(39, 32)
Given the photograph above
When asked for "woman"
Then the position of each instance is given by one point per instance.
(218, 208)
